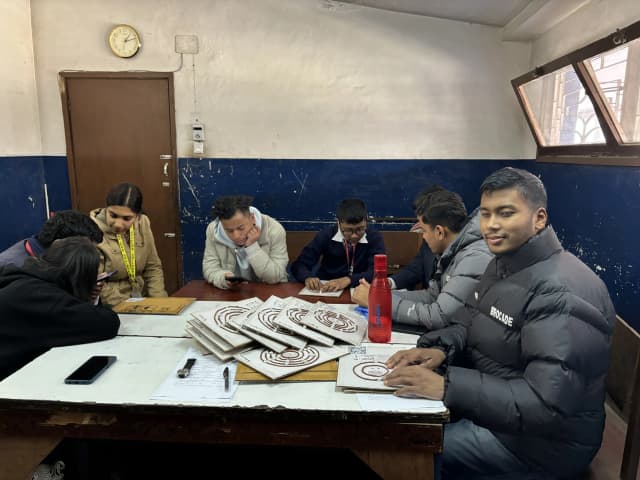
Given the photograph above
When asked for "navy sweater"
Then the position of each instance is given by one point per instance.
(333, 258)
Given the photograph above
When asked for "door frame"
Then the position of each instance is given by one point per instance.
(68, 135)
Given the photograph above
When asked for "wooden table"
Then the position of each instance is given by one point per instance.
(37, 410)
(202, 290)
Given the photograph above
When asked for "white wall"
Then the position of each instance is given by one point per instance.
(19, 124)
(301, 78)
(596, 20)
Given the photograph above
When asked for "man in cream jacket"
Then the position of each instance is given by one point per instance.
(243, 243)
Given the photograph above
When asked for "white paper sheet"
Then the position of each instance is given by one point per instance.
(388, 402)
(205, 382)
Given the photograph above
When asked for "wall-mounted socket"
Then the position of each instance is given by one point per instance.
(197, 130)
(186, 44)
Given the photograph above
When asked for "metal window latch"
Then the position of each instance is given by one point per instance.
(169, 235)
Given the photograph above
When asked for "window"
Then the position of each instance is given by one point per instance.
(585, 106)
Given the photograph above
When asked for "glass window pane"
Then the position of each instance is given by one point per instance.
(561, 110)
(617, 75)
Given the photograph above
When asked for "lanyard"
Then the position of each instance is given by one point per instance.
(27, 247)
(130, 266)
(347, 249)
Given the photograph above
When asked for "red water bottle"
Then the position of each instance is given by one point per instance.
(380, 302)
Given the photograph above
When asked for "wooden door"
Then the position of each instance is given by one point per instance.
(120, 127)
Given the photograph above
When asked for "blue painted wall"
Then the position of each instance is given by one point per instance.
(595, 210)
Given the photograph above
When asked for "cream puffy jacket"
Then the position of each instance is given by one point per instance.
(267, 257)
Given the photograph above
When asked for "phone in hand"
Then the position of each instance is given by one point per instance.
(90, 370)
(236, 279)
(104, 276)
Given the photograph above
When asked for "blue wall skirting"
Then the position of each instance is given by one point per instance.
(595, 210)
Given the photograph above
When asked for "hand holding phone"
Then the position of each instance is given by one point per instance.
(235, 279)
(104, 276)
(90, 370)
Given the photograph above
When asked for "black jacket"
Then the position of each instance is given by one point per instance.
(418, 271)
(37, 313)
(535, 355)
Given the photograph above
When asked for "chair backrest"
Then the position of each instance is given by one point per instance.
(623, 388)
(401, 247)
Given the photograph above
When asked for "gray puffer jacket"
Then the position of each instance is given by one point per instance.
(457, 274)
(536, 352)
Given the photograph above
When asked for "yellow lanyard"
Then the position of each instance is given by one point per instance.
(129, 265)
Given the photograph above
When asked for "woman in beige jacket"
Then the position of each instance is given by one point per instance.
(128, 247)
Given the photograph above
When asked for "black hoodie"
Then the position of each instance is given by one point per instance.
(37, 313)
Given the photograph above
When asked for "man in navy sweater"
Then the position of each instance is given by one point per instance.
(345, 251)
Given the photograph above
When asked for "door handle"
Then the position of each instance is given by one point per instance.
(164, 169)
(169, 235)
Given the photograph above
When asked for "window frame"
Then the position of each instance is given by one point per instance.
(614, 151)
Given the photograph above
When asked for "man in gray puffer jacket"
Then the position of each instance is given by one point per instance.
(462, 257)
(524, 367)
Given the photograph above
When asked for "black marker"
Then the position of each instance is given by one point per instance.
(225, 375)
(186, 370)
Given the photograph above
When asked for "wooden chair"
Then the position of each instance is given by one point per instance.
(401, 246)
(618, 456)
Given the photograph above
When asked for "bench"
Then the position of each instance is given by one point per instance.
(401, 246)
(620, 450)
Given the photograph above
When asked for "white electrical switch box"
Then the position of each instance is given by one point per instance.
(198, 148)
(186, 44)
(198, 132)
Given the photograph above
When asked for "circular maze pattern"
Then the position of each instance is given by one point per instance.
(336, 321)
(291, 357)
(296, 314)
(222, 315)
(370, 370)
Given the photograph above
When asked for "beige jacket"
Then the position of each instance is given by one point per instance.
(149, 275)
(267, 257)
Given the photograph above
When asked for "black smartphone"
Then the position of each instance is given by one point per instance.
(104, 276)
(90, 370)
(236, 279)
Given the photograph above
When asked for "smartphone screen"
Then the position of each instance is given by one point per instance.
(90, 370)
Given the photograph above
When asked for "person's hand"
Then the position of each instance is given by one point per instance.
(231, 283)
(96, 291)
(429, 358)
(252, 236)
(415, 381)
(336, 284)
(361, 293)
(313, 283)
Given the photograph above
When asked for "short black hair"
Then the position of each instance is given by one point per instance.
(351, 210)
(442, 207)
(68, 223)
(421, 196)
(125, 195)
(74, 261)
(226, 206)
(526, 183)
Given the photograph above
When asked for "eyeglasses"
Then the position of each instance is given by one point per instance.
(350, 231)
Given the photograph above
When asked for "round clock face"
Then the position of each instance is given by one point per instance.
(124, 41)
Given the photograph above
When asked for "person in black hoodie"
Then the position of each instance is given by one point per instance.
(47, 303)
(523, 368)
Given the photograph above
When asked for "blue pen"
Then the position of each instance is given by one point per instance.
(364, 311)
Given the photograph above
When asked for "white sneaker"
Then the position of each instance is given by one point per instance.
(49, 472)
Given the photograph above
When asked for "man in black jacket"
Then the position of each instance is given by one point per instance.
(524, 369)
(421, 268)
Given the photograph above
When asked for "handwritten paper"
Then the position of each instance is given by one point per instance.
(318, 293)
(205, 381)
